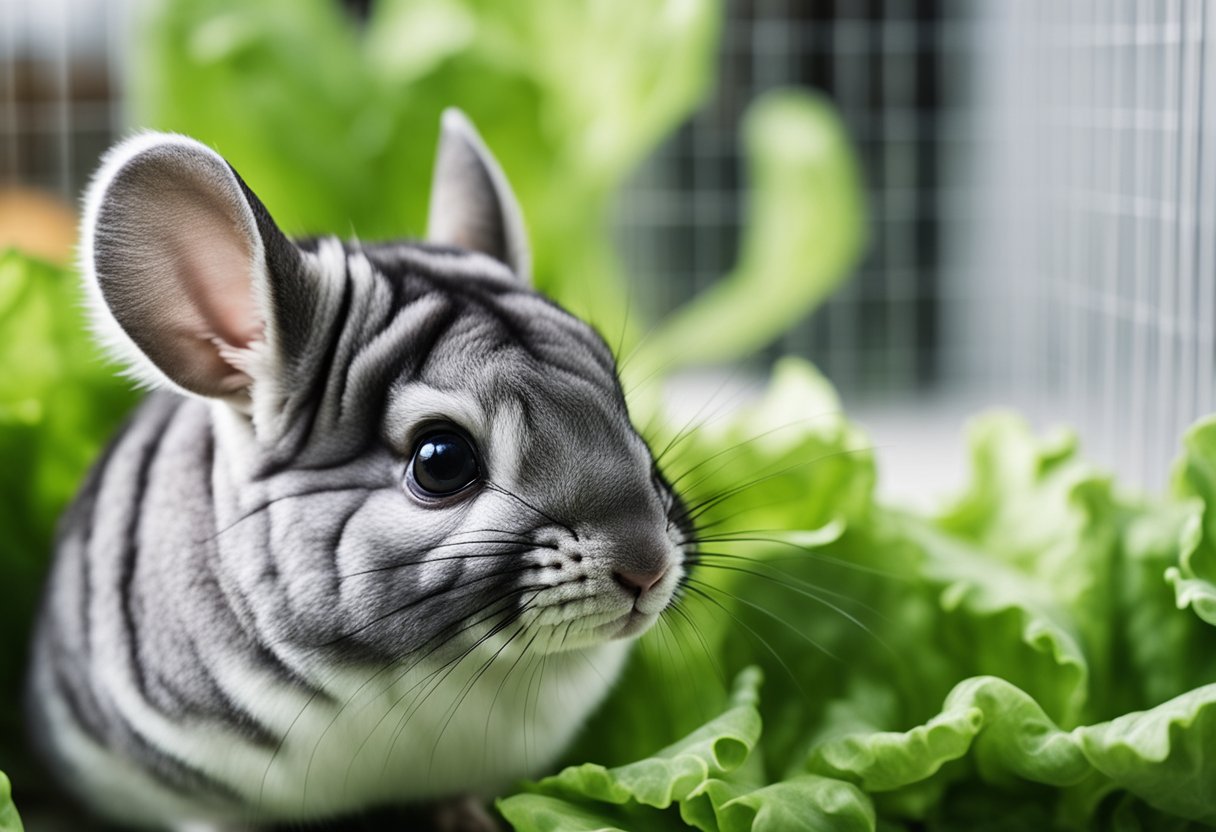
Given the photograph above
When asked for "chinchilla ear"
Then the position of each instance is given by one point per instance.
(472, 205)
(192, 283)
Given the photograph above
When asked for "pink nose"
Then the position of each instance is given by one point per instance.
(638, 582)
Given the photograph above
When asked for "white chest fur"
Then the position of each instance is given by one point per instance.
(436, 728)
(383, 736)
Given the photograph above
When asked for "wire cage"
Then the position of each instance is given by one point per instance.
(1042, 194)
(1041, 203)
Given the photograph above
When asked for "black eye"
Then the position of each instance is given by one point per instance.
(444, 462)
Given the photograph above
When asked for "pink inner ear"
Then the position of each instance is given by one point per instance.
(199, 283)
(215, 276)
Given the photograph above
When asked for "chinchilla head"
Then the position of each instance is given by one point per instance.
(408, 442)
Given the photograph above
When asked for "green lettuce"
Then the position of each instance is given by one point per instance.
(9, 821)
(59, 403)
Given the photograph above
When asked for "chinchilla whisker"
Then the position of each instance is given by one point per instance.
(540, 685)
(669, 637)
(258, 509)
(657, 640)
(657, 372)
(591, 666)
(485, 738)
(450, 666)
(510, 532)
(707, 598)
(505, 492)
(620, 336)
(439, 641)
(686, 651)
(519, 550)
(703, 527)
(808, 553)
(282, 742)
(803, 588)
(772, 574)
(690, 624)
(530, 676)
(697, 509)
(435, 644)
(501, 684)
(520, 546)
(623, 361)
(468, 686)
(465, 689)
(704, 586)
(516, 542)
(428, 597)
(755, 438)
(700, 418)
(698, 421)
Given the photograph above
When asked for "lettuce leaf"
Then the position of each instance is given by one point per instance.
(1194, 578)
(59, 403)
(9, 821)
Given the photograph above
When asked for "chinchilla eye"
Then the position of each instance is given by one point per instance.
(444, 463)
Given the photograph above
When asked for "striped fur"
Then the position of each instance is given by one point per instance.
(249, 620)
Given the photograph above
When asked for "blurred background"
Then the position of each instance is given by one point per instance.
(1040, 181)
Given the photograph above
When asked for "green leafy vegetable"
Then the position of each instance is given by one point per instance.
(805, 233)
(9, 821)
(58, 405)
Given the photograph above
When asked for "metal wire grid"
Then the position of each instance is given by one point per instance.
(59, 104)
(879, 60)
(1087, 279)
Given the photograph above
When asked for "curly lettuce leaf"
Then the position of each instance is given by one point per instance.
(665, 777)
(672, 773)
(1157, 755)
(700, 775)
(1194, 578)
(799, 803)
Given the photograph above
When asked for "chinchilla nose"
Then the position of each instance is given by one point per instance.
(638, 582)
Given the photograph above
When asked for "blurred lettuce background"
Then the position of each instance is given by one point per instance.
(1038, 653)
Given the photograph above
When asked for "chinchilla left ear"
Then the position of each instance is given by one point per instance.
(472, 204)
(193, 284)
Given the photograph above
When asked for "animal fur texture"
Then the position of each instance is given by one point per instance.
(252, 617)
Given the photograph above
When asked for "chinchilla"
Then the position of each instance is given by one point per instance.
(380, 537)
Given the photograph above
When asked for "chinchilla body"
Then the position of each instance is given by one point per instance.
(382, 540)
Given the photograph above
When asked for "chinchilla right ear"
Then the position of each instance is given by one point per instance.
(472, 204)
(193, 284)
